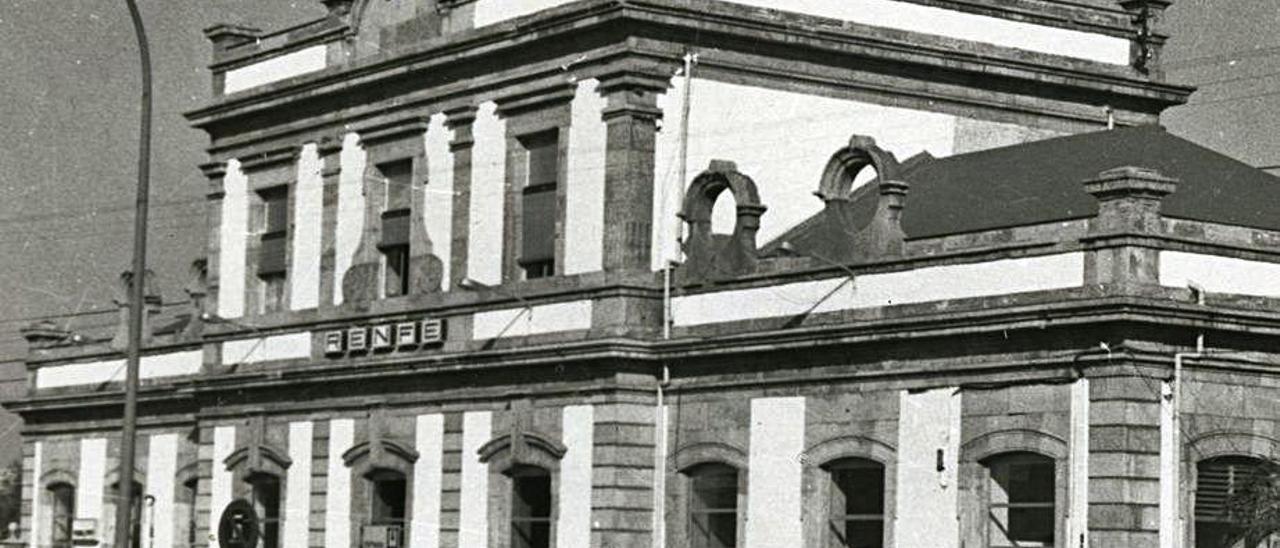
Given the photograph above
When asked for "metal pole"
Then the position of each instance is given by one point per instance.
(137, 292)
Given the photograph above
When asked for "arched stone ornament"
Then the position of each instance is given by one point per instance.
(711, 256)
(841, 239)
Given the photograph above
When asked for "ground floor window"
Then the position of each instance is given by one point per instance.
(1020, 500)
(713, 506)
(266, 503)
(856, 516)
(388, 504)
(1236, 501)
(530, 507)
(62, 498)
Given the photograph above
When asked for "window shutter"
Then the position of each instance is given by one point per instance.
(544, 156)
(1213, 487)
(395, 228)
(271, 253)
(538, 226)
(399, 181)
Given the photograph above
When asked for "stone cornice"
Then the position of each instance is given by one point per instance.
(269, 158)
(391, 130)
(1121, 83)
(1088, 310)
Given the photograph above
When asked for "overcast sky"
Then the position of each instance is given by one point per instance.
(69, 114)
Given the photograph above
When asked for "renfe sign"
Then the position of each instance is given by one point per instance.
(384, 337)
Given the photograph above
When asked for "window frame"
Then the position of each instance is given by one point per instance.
(531, 146)
(53, 490)
(984, 487)
(271, 526)
(834, 514)
(518, 474)
(272, 286)
(690, 512)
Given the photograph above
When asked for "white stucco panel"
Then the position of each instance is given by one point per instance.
(928, 427)
(304, 273)
(1219, 274)
(149, 367)
(920, 285)
(438, 196)
(489, 12)
(997, 31)
(535, 320)
(584, 193)
(775, 472)
(573, 525)
(350, 218)
(265, 349)
(488, 185)
(232, 233)
(277, 68)
(473, 511)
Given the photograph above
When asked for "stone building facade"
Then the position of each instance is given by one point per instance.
(442, 303)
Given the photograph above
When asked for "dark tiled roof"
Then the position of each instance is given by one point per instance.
(1042, 181)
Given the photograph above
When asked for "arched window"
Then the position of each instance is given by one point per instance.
(1020, 494)
(266, 503)
(388, 503)
(185, 510)
(106, 527)
(713, 506)
(856, 503)
(1233, 495)
(530, 507)
(62, 497)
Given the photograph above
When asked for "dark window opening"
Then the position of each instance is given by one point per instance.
(713, 506)
(1234, 501)
(273, 247)
(266, 503)
(63, 499)
(856, 503)
(388, 501)
(1020, 506)
(190, 490)
(395, 252)
(538, 204)
(530, 507)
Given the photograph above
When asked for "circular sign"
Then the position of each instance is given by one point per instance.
(238, 527)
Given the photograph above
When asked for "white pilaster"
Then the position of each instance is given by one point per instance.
(297, 499)
(428, 474)
(162, 469)
(438, 196)
(775, 472)
(926, 497)
(584, 193)
(1078, 490)
(232, 233)
(90, 480)
(573, 526)
(224, 442)
(488, 184)
(308, 203)
(337, 518)
(473, 520)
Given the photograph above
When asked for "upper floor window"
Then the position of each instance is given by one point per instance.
(1020, 500)
(63, 502)
(266, 503)
(530, 507)
(538, 212)
(273, 229)
(394, 245)
(713, 506)
(856, 516)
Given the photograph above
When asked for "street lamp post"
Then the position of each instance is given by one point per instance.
(137, 292)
